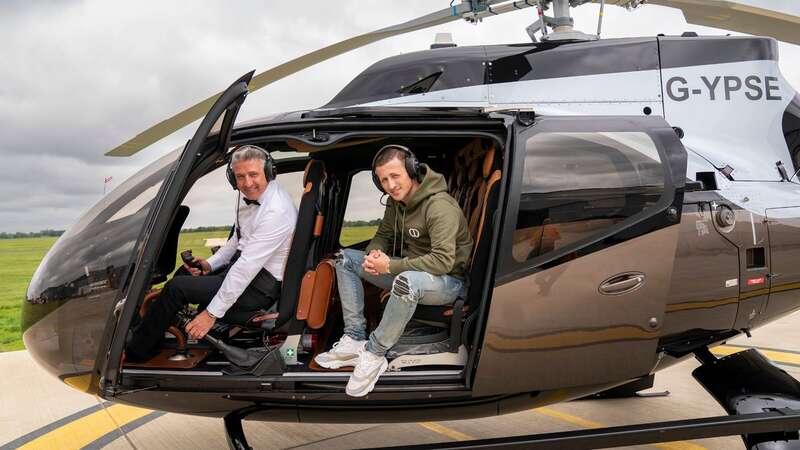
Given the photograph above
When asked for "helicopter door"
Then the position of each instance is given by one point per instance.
(585, 256)
(783, 278)
(211, 139)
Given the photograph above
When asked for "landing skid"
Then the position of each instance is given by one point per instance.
(777, 421)
(743, 382)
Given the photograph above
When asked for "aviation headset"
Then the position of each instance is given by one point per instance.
(411, 162)
(269, 166)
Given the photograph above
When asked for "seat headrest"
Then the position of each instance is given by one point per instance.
(488, 162)
(315, 172)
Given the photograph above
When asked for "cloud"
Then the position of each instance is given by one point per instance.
(80, 77)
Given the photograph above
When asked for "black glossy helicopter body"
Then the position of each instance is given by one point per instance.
(628, 212)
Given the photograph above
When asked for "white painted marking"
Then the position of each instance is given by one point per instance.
(753, 226)
(732, 282)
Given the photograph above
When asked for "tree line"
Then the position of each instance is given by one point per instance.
(347, 223)
(57, 233)
(33, 234)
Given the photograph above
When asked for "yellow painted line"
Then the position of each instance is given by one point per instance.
(82, 432)
(443, 430)
(585, 423)
(773, 355)
(569, 418)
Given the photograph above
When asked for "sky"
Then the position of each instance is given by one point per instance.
(78, 78)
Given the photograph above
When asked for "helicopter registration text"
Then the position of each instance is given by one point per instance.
(725, 87)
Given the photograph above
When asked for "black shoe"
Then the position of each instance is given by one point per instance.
(137, 319)
(132, 355)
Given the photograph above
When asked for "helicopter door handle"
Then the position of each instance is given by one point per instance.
(622, 283)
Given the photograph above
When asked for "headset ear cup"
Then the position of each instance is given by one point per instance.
(269, 166)
(231, 177)
(412, 165)
(377, 181)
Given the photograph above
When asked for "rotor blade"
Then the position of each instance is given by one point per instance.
(189, 115)
(779, 19)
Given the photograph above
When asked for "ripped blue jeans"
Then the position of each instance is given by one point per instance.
(407, 290)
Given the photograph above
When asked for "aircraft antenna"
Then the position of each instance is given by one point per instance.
(600, 17)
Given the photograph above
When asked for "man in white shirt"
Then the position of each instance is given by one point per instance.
(245, 274)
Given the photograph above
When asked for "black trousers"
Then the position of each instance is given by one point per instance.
(184, 289)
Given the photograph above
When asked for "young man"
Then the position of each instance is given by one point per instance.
(420, 253)
(255, 257)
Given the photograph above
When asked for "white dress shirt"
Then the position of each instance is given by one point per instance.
(266, 235)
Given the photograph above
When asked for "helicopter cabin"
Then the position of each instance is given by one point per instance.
(324, 157)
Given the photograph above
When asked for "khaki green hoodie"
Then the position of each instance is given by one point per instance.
(430, 233)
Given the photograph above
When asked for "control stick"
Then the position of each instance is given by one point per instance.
(237, 356)
(189, 259)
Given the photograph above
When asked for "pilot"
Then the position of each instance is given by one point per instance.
(245, 274)
(420, 254)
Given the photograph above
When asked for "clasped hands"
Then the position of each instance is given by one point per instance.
(376, 263)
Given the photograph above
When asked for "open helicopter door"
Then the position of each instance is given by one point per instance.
(586, 254)
(209, 143)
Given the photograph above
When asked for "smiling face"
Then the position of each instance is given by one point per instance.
(395, 180)
(250, 178)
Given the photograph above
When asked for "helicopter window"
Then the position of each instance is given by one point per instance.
(141, 200)
(387, 79)
(791, 130)
(421, 86)
(363, 211)
(575, 185)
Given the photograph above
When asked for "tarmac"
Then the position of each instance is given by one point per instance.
(37, 411)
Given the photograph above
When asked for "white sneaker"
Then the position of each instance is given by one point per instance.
(369, 368)
(343, 353)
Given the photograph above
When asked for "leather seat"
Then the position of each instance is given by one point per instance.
(302, 258)
(483, 195)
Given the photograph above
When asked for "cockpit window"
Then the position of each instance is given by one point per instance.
(97, 249)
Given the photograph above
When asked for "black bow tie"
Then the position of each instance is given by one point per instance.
(251, 202)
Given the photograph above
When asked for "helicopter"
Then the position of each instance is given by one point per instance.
(632, 203)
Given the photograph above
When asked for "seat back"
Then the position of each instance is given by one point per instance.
(481, 225)
(307, 230)
(481, 196)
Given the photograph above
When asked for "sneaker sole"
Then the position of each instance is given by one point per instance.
(338, 363)
(370, 386)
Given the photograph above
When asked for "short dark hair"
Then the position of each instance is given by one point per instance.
(389, 154)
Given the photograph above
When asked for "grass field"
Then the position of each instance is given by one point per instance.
(18, 260)
(20, 257)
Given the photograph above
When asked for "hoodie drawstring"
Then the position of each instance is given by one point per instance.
(402, 232)
(394, 231)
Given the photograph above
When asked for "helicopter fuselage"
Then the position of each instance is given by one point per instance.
(694, 244)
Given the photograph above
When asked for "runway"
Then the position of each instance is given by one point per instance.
(39, 412)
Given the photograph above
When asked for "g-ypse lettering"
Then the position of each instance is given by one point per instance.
(724, 87)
